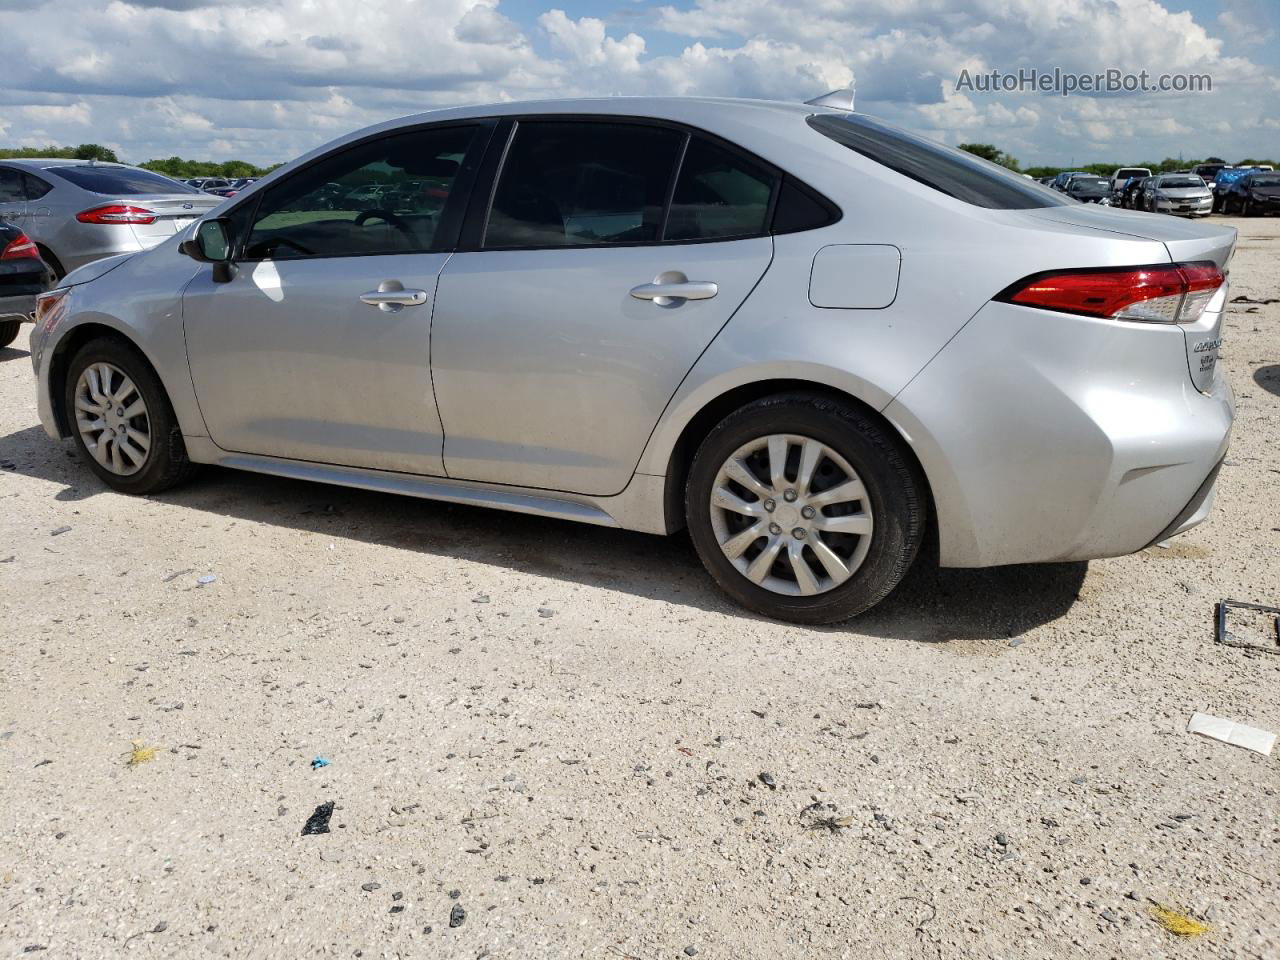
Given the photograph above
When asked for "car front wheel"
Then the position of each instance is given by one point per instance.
(122, 421)
(805, 508)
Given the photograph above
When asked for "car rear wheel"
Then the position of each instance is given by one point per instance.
(804, 508)
(122, 421)
(8, 332)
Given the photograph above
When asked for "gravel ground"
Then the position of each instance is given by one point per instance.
(567, 740)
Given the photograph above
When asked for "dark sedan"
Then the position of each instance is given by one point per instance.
(22, 275)
(1089, 189)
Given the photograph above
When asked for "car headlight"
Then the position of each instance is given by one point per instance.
(51, 307)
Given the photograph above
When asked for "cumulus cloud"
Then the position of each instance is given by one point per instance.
(268, 79)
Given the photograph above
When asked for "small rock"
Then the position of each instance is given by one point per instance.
(457, 916)
(57, 533)
(454, 894)
(481, 598)
(160, 927)
(768, 780)
(691, 951)
(1085, 881)
(1002, 839)
(1109, 916)
(370, 886)
(397, 896)
(1017, 642)
(398, 908)
(546, 612)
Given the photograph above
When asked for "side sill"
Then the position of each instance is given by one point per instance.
(428, 488)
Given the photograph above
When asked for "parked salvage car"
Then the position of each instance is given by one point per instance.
(1178, 193)
(79, 211)
(1132, 199)
(22, 275)
(1089, 189)
(1123, 174)
(655, 314)
(1258, 194)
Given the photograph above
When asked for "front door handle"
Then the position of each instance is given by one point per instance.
(673, 288)
(391, 297)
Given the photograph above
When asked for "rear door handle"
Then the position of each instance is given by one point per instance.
(673, 287)
(391, 297)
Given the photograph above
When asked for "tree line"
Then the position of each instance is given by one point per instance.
(989, 151)
(182, 169)
(176, 167)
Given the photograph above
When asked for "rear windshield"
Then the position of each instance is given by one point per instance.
(1182, 182)
(1133, 172)
(1266, 181)
(118, 181)
(945, 169)
(1090, 183)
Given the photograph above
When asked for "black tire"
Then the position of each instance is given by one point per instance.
(9, 332)
(166, 464)
(895, 487)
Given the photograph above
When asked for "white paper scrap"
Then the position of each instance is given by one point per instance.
(1228, 731)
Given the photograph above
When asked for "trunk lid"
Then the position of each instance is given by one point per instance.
(173, 213)
(1186, 240)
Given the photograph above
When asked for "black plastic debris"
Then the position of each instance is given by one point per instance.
(1222, 635)
(318, 822)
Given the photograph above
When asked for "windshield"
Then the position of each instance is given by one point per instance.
(945, 169)
(1266, 181)
(118, 181)
(1181, 183)
(1081, 184)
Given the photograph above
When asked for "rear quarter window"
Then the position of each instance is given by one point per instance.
(948, 170)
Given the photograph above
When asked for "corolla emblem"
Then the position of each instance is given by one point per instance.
(187, 206)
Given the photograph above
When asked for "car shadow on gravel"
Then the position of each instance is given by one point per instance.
(1268, 378)
(12, 353)
(931, 605)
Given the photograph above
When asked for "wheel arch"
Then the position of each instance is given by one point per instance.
(711, 412)
(60, 362)
(52, 259)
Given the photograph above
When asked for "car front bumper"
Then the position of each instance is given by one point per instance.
(1204, 206)
(1052, 437)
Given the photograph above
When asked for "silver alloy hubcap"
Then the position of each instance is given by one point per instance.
(791, 514)
(112, 419)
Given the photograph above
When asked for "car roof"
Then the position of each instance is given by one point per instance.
(48, 163)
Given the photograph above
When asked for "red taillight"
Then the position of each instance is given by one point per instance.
(116, 213)
(20, 249)
(1168, 293)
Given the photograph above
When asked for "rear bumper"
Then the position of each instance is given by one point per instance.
(19, 307)
(1048, 437)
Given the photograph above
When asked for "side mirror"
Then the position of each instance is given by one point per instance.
(212, 244)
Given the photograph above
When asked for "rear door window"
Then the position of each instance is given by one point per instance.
(720, 194)
(583, 183)
(948, 170)
(12, 189)
(381, 197)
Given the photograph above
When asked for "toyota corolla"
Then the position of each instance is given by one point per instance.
(805, 335)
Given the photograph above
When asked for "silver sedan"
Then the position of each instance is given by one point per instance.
(805, 335)
(78, 211)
